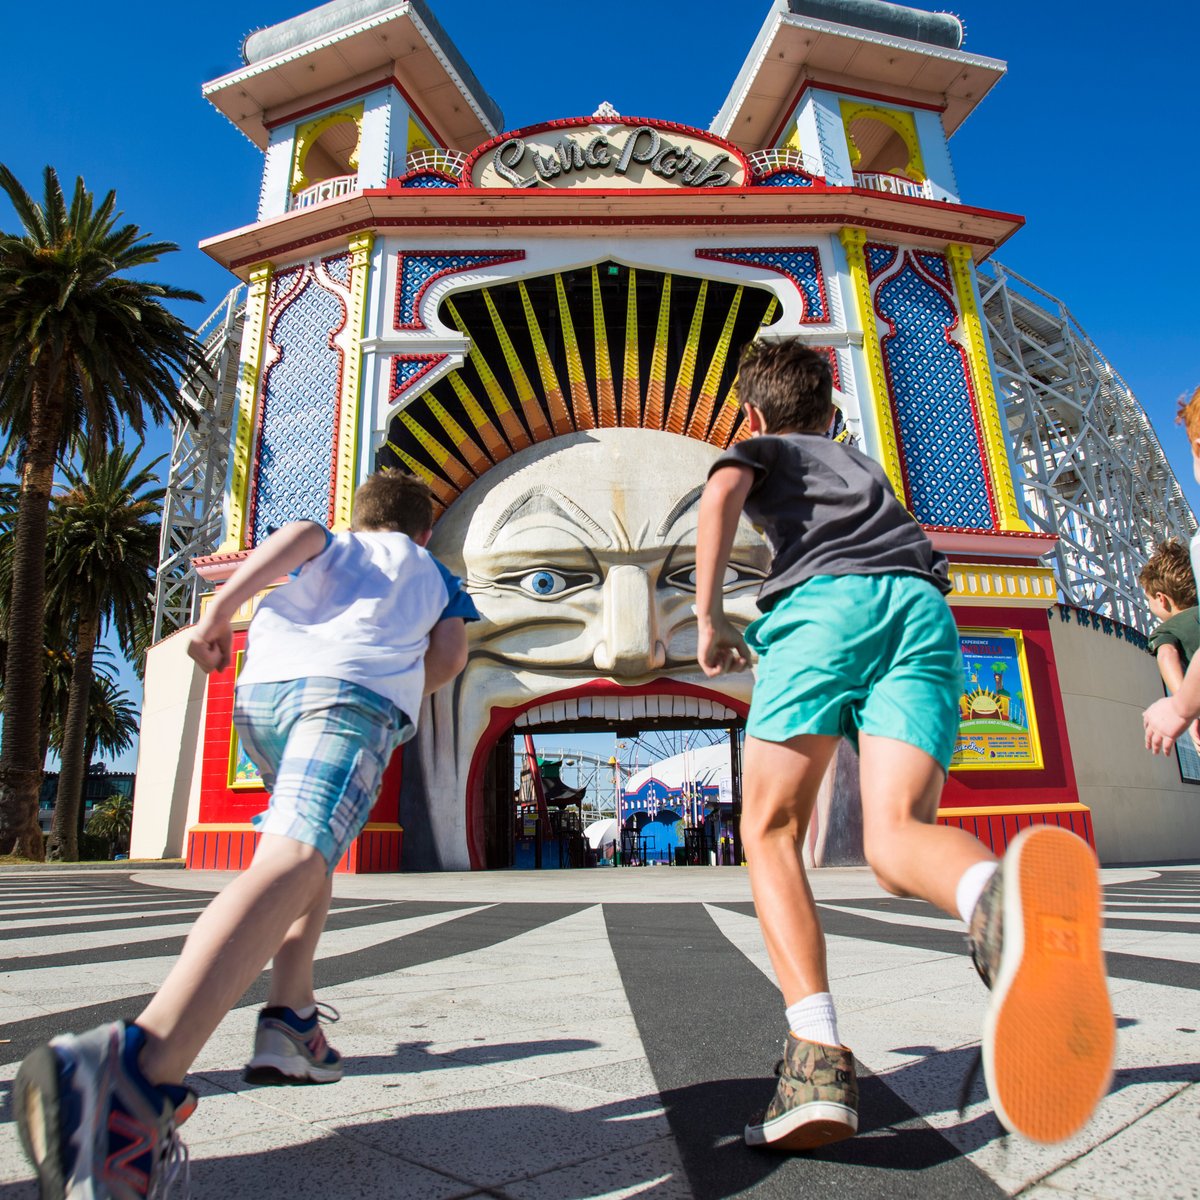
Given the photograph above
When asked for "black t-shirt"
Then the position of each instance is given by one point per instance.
(828, 509)
(1181, 631)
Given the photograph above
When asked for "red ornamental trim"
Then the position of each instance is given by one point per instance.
(832, 220)
(424, 173)
(578, 122)
(492, 258)
(899, 259)
(431, 362)
(728, 256)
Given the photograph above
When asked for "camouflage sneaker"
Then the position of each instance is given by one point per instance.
(1049, 1033)
(815, 1101)
(289, 1049)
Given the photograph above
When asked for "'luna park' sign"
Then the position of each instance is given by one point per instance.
(594, 154)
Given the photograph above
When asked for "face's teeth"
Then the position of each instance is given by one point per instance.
(625, 708)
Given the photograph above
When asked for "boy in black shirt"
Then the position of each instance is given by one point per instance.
(858, 641)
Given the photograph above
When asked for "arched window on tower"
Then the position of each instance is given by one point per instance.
(325, 160)
(885, 151)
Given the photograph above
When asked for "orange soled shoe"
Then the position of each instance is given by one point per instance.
(815, 1101)
(1049, 1034)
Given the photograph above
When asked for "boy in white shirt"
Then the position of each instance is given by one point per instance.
(336, 664)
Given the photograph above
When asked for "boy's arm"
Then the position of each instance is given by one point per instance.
(720, 646)
(211, 642)
(447, 653)
(1167, 718)
(1170, 666)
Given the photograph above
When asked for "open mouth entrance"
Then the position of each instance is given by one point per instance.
(618, 777)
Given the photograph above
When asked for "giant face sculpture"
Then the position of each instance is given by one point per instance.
(580, 555)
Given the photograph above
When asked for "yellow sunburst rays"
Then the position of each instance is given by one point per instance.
(442, 491)
(681, 397)
(494, 444)
(531, 409)
(606, 396)
(459, 475)
(730, 425)
(460, 441)
(631, 382)
(581, 400)
(560, 415)
(656, 387)
(514, 431)
(707, 400)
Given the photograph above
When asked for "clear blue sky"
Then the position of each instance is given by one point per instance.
(1089, 136)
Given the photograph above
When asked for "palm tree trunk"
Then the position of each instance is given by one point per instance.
(20, 769)
(64, 838)
(89, 748)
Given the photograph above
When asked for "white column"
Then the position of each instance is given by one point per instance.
(277, 170)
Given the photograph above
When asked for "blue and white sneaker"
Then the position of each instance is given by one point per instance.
(290, 1049)
(93, 1126)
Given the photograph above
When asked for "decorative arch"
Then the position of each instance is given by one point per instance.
(899, 122)
(309, 133)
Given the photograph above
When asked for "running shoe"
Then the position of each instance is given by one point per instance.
(815, 1101)
(91, 1124)
(1049, 1034)
(289, 1049)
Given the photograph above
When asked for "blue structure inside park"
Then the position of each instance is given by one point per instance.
(658, 814)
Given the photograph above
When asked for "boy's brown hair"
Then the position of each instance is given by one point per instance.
(1189, 417)
(791, 385)
(393, 500)
(1170, 571)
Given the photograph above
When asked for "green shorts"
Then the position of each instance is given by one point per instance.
(843, 653)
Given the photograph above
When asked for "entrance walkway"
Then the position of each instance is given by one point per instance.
(607, 1033)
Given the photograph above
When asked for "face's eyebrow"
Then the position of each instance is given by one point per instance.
(682, 505)
(541, 499)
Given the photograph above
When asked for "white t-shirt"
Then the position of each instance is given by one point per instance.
(361, 611)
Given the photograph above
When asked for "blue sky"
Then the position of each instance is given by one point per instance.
(1088, 136)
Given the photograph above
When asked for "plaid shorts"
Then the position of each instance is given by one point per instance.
(322, 746)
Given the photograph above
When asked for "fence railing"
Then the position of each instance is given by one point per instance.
(449, 162)
(327, 189)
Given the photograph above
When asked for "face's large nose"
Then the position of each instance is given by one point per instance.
(630, 646)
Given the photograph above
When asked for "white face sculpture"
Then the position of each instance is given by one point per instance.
(580, 555)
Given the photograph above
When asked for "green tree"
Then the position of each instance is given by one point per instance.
(86, 351)
(113, 821)
(103, 541)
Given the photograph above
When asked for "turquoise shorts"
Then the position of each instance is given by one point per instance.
(840, 654)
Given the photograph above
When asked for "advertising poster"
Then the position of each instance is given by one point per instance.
(997, 725)
(243, 773)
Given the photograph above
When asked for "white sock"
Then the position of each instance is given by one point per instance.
(814, 1020)
(970, 888)
(306, 1012)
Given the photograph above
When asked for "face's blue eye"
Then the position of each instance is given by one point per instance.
(542, 583)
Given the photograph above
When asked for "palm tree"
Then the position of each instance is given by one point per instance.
(85, 351)
(112, 820)
(104, 533)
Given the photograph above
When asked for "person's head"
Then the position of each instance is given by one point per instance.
(1167, 580)
(1189, 418)
(393, 501)
(784, 387)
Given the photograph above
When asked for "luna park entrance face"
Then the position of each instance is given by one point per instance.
(663, 789)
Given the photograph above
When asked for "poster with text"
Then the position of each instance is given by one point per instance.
(997, 725)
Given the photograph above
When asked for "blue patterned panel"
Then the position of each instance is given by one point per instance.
(934, 413)
(785, 179)
(417, 269)
(338, 268)
(936, 265)
(802, 265)
(879, 258)
(428, 181)
(297, 431)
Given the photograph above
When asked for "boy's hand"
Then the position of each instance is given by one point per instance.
(1163, 725)
(721, 648)
(211, 643)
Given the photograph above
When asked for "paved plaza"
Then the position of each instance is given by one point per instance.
(607, 1033)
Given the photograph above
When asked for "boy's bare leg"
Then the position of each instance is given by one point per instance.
(292, 968)
(779, 787)
(901, 787)
(235, 937)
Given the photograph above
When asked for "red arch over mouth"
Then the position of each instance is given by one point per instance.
(503, 718)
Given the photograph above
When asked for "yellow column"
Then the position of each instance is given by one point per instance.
(350, 401)
(995, 437)
(248, 379)
(853, 240)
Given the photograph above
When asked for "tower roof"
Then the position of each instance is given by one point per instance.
(344, 42)
(859, 45)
